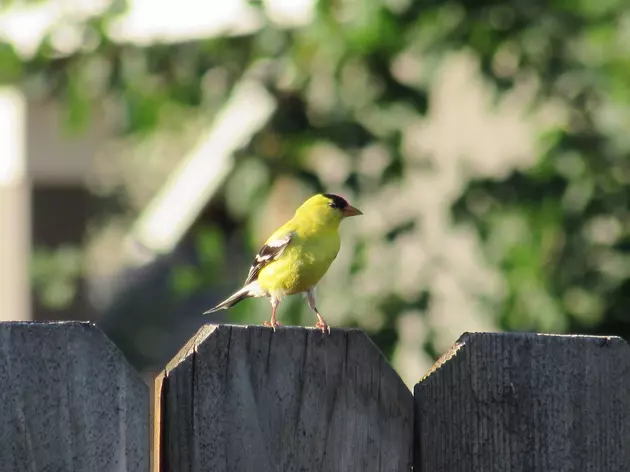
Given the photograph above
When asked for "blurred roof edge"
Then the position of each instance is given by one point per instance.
(178, 203)
(145, 23)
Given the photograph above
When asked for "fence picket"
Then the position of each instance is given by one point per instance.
(248, 399)
(69, 401)
(525, 403)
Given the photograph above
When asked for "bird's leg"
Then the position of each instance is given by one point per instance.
(274, 306)
(321, 324)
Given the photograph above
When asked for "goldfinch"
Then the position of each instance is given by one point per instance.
(296, 256)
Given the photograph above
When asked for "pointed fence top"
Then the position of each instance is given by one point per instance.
(293, 399)
(69, 401)
(525, 402)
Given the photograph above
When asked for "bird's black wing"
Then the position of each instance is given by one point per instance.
(268, 253)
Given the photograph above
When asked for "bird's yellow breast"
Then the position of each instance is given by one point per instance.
(303, 264)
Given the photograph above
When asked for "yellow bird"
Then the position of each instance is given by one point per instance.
(296, 256)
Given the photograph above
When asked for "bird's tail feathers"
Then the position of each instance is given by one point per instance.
(242, 294)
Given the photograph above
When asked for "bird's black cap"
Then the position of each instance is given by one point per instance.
(336, 201)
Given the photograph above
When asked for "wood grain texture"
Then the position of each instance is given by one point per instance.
(69, 401)
(247, 399)
(526, 403)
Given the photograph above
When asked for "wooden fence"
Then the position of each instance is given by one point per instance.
(247, 399)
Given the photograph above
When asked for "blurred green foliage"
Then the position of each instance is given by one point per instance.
(54, 274)
(558, 232)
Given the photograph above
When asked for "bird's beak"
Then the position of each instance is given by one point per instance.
(351, 211)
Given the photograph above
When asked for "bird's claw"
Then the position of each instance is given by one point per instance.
(323, 326)
(270, 324)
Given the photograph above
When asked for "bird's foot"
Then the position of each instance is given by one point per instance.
(321, 324)
(272, 325)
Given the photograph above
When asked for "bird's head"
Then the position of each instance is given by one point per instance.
(328, 208)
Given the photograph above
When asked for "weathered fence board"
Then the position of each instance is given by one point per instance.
(526, 402)
(250, 399)
(69, 401)
(247, 399)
